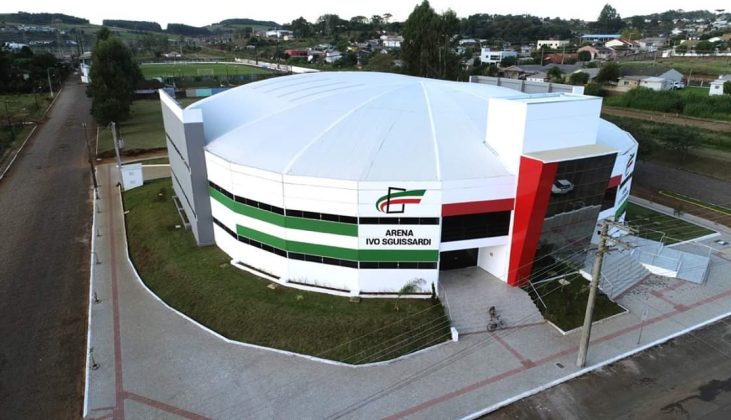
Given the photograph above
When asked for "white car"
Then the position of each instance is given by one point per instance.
(562, 186)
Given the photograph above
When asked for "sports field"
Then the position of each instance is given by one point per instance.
(150, 71)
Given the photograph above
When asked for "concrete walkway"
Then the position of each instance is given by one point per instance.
(154, 363)
(468, 294)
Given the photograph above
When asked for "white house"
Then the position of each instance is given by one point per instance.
(487, 56)
(332, 56)
(392, 41)
(652, 78)
(717, 85)
(553, 44)
(280, 33)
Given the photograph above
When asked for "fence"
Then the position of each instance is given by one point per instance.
(528, 86)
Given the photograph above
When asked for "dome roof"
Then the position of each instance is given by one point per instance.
(357, 126)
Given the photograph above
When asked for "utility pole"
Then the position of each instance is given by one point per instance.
(596, 272)
(595, 276)
(116, 151)
(91, 162)
(50, 86)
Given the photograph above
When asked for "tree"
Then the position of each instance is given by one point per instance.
(579, 78)
(555, 75)
(609, 72)
(631, 33)
(584, 56)
(114, 76)
(428, 47)
(409, 288)
(704, 47)
(301, 27)
(609, 21)
(508, 61)
(727, 87)
(681, 49)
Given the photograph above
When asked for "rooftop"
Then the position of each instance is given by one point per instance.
(359, 126)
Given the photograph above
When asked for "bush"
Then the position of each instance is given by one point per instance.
(593, 89)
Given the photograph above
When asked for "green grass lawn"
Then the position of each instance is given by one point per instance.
(23, 107)
(142, 132)
(661, 227)
(566, 304)
(150, 71)
(711, 66)
(7, 141)
(201, 283)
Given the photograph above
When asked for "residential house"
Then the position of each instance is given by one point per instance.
(621, 44)
(332, 56)
(553, 44)
(599, 37)
(717, 85)
(599, 52)
(488, 56)
(559, 58)
(526, 50)
(280, 34)
(656, 78)
(652, 44)
(392, 41)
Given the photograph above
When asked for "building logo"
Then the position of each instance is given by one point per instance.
(629, 164)
(397, 199)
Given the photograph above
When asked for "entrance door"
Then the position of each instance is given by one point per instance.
(450, 260)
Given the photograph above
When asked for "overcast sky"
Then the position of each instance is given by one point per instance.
(200, 13)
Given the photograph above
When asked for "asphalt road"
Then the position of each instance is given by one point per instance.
(659, 177)
(45, 223)
(686, 378)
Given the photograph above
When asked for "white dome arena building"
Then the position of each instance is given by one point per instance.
(358, 183)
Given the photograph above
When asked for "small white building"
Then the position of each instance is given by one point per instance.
(656, 83)
(392, 41)
(717, 85)
(487, 56)
(332, 56)
(553, 44)
(280, 33)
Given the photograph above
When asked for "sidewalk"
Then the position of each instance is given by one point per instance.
(155, 363)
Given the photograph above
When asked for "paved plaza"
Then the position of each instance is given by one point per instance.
(151, 362)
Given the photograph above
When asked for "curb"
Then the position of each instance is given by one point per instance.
(254, 346)
(581, 372)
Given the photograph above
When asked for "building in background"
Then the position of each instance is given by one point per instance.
(360, 183)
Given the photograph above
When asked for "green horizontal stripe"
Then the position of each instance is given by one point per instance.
(312, 225)
(369, 255)
(323, 250)
(262, 237)
(322, 226)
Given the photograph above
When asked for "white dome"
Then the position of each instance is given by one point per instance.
(358, 126)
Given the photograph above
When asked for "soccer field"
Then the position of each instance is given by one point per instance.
(150, 71)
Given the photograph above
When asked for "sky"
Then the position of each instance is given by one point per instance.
(199, 13)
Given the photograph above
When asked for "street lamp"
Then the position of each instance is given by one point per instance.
(50, 86)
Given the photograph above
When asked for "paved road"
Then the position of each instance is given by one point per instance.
(45, 217)
(689, 377)
(655, 176)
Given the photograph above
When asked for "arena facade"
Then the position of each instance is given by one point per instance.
(358, 183)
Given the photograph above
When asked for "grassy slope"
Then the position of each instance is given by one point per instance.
(711, 66)
(658, 226)
(143, 131)
(22, 107)
(566, 305)
(191, 70)
(201, 283)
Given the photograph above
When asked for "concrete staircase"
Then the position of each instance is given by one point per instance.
(468, 293)
(620, 272)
